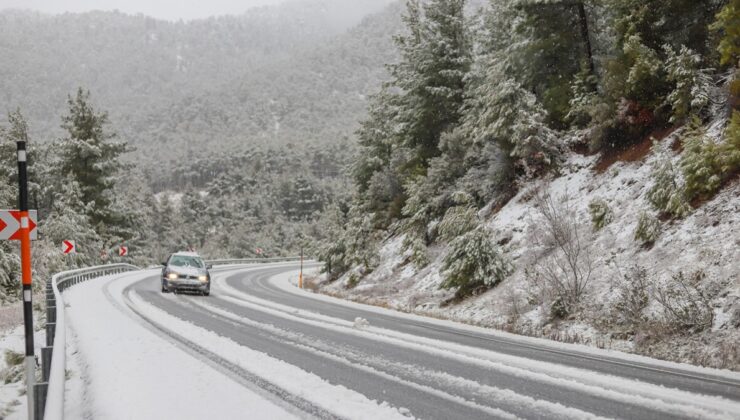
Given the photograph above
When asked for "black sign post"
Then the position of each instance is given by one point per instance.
(25, 236)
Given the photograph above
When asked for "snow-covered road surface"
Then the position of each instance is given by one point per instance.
(123, 370)
(258, 345)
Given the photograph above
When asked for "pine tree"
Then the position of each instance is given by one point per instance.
(91, 158)
(668, 193)
(728, 23)
(69, 220)
(299, 199)
(194, 216)
(701, 163)
(552, 52)
(691, 94)
(502, 112)
(435, 58)
(728, 27)
(422, 101)
(643, 30)
(474, 262)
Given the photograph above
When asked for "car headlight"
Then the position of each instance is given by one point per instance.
(172, 276)
(203, 278)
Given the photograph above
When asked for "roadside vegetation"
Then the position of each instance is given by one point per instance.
(498, 104)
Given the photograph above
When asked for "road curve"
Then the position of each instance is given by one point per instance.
(435, 370)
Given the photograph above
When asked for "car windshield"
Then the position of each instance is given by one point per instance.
(185, 261)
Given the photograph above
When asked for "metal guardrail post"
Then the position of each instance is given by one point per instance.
(50, 330)
(39, 400)
(51, 314)
(46, 353)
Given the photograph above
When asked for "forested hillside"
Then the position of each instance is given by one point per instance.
(291, 73)
(221, 135)
(507, 174)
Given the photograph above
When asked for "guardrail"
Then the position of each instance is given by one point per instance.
(49, 395)
(251, 260)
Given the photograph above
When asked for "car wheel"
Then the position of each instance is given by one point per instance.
(207, 292)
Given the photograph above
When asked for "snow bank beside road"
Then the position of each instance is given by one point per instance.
(288, 282)
(129, 372)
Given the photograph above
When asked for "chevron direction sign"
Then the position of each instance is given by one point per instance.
(69, 247)
(10, 225)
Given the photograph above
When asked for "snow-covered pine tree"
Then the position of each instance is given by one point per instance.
(91, 157)
(435, 58)
(691, 92)
(668, 192)
(601, 214)
(459, 219)
(728, 25)
(474, 262)
(556, 46)
(422, 101)
(194, 215)
(648, 229)
(69, 220)
(502, 112)
(701, 162)
(376, 138)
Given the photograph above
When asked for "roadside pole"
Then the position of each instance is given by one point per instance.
(300, 276)
(25, 236)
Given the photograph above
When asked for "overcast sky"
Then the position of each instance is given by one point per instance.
(163, 9)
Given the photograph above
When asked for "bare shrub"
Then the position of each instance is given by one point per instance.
(633, 298)
(352, 281)
(686, 306)
(565, 269)
(515, 305)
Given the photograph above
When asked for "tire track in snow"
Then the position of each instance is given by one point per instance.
(232, 370)
(413, 375)
(624, 391)
(271, 333)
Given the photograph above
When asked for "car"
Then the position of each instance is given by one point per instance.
(186, 271)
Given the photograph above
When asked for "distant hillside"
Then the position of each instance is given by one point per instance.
(294, 73)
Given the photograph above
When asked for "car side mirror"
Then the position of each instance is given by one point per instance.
(209, 266)
(164, 264)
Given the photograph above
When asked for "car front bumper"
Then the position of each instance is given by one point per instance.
(194, 285)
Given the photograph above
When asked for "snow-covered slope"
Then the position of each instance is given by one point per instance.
(705, 242)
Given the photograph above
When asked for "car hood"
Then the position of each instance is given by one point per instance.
(188, 271)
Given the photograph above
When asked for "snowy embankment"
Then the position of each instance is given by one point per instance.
(705, 244)
(122, 368)
(13, 400)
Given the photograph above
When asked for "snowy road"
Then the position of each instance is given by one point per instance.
(291, 352)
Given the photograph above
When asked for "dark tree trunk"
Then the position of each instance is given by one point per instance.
(583, 21)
